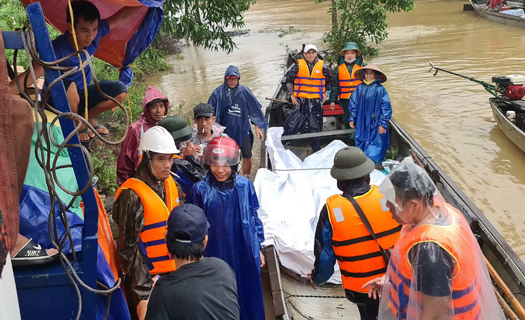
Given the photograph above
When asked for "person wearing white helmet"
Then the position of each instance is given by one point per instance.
(142, 207)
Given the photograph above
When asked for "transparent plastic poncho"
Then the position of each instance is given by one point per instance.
(437, 267)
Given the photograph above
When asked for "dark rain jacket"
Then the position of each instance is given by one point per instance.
(334, 93)
(234, 108)
(128, 213)
(235, 234)
(370, 108)
(128, 158)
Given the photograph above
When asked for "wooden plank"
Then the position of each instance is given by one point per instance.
(312, 306)
(317, 134)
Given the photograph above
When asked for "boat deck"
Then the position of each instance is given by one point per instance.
(327, 302)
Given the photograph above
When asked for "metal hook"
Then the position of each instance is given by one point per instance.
(432, 66)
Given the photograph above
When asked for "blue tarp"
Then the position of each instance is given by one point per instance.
(34, 212)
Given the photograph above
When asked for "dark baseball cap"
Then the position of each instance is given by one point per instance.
(203, 110)
(190, 219)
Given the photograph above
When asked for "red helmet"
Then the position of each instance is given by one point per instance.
(221, 151)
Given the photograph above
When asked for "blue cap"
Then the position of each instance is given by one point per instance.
(190, 219)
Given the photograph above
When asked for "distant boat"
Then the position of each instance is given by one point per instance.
(510, 116)
(500, 17)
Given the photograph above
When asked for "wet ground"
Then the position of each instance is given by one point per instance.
(450, 117)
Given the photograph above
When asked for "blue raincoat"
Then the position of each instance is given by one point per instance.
(234, 108)
(370, 108)
(235, 234)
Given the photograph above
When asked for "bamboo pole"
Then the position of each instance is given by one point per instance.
(506, 291)
(508, 310)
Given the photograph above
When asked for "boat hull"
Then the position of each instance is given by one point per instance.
(498, 17)
(509, 128)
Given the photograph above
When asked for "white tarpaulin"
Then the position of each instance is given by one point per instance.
(291, 198)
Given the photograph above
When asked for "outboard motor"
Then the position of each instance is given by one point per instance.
(510, 86)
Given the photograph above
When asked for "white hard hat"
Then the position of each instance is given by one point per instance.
(159, 140)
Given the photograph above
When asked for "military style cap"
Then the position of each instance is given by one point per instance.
(351, 163)
(177, 126)
(350, 46)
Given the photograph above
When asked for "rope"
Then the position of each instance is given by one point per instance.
(73, 32)
(44, 141)
(302, 169)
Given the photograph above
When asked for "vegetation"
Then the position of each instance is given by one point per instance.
(205, 22)
(361, 21)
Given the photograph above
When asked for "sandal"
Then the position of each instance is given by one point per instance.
(32, 254)
(85, 131)
(101, 127)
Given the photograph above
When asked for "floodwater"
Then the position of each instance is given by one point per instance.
(448, 116)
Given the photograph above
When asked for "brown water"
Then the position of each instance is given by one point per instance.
(450, 117)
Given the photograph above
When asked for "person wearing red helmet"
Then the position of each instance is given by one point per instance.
(236, 232)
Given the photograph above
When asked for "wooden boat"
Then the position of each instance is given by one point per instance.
(294, 299)
(513, 129)
(497, 16)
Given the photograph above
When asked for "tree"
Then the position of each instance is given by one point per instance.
(204, 22)
(361, 21)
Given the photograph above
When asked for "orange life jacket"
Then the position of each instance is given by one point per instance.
(306, 85)
(347, 81)
(455, 240)
(152, 241)
(357, 253)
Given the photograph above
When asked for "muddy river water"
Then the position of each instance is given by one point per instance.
(448, 116)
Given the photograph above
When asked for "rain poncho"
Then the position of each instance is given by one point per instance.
(128, 213)
(128, 159)
(437, 267)
(234, 108)
(235, 234)
(370, 108)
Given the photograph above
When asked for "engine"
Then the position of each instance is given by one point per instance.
(510, 86)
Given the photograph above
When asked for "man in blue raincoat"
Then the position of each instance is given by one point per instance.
(236, 232)
(235, 105)
(370, 112)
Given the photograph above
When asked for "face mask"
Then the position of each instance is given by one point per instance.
(350, 61)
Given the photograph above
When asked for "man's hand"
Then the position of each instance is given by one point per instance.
(376, 285)
(381, 130)
(263, 262)
(312, 282)
(190, 149)
(295, 101)
(259, 133)
(352, 124)
(332, 106)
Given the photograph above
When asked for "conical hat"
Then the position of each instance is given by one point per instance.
(359, 73)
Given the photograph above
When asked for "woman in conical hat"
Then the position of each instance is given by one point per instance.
(370, 112)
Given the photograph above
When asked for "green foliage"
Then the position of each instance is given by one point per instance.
(12, 17)
(105, 170)
(362, 21)
(205, 22)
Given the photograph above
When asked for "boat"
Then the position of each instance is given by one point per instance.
(510, 116)
(292, 296)
(507, 103)
(508, 19)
